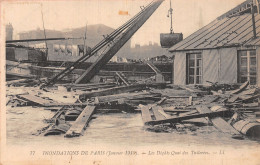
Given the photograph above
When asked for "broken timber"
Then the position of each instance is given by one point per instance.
(240, 89)
(219, 122)
(159, 76)
(118, 90)
(122, 77)
(34, 99)
(82, 121)
(154, 68)
(151, 117)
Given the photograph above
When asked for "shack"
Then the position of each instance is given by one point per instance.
(224, 51)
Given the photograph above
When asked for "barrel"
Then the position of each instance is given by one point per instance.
(248, 128)
(167, 40)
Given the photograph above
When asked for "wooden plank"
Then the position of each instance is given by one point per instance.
(254, 109)
(119, 74)
(246, 98)
(86, 85)
(240, 89)
(193, 90)
(170, 110)
(161, 101)
(64, 104)
(153, 67)
(218, 122)
(257, 115)
(157, 114)
(94, 88)
(248, 92)
(115, 97)
(81, 122)
(211, 99)
(34, 99)
(58, 113)
(180, 96)
(186, 117)
(118, 90)
(146, 116)
(251, 105)
(232, 99)
(190, 100)
(15, 81)
(188, 113)
(160, 110)
(174, 109)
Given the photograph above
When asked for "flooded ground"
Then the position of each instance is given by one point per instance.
(122, 129)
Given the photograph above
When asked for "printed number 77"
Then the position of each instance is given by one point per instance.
(32, 152)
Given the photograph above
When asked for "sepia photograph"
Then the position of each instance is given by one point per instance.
(130, 82)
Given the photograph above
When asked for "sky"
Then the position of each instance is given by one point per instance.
(188, 15)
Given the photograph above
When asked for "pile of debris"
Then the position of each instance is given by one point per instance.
(231, 111)
(164, 108)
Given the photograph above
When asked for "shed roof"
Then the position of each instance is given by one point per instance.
(226, 32)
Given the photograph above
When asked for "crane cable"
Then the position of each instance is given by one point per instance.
(170, 12)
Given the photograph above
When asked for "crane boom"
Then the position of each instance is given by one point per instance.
(104, 58)
(117, 38)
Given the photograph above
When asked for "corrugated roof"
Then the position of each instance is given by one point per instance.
(233, 31)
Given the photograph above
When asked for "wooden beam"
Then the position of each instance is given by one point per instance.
(218, 122)
(128, 33)
(146, 116)
(160, 110)
(34, 99)
(186, 117)
(118, 90)
(240, 89)
(120, 75)
(82, 121)
(16, 81)
(153, 67)
(157, 114)
(64, 104)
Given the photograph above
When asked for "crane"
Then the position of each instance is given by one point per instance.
(113, 42)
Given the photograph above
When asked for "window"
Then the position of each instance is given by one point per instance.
(247, 66)
(194, 68)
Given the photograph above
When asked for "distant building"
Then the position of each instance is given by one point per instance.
(70, 50)
(224, 51)
(118, 59)
(160, 59)
(9, 31)
(147, 51)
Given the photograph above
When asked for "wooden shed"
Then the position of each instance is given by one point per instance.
(227, 50)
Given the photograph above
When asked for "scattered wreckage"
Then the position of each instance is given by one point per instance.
(231, 109)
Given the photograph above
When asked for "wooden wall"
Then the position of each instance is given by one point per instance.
(219, 65)
(179, 68)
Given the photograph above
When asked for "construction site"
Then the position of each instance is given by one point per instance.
(209, 94)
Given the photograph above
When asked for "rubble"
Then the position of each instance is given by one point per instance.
(164, 108)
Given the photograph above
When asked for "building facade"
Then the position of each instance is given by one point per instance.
(225, 51)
